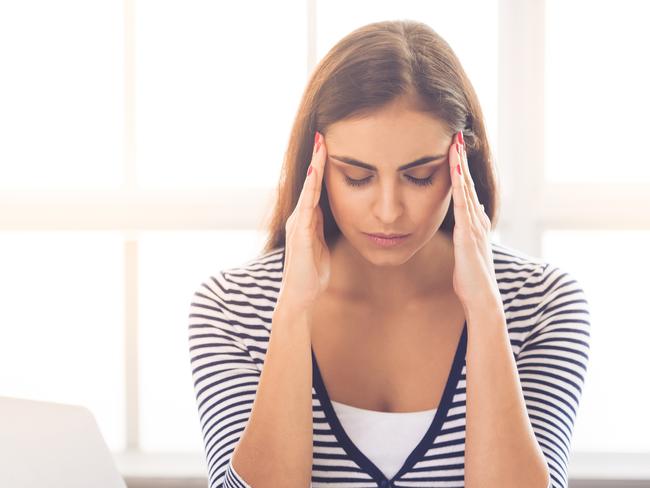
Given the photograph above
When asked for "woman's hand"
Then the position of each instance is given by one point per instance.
(307, 258)
(474, 278)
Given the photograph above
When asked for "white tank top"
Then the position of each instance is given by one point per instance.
(369, 429)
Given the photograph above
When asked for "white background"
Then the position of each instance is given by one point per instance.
(142, 141)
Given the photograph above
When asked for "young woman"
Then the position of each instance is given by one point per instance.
(342, 358)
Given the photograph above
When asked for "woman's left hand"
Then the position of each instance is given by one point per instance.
(474, 278)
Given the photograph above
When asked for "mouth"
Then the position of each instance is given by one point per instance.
(387, 242)
(386, 236)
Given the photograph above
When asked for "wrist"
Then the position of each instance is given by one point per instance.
(488, 310)
(293, 311)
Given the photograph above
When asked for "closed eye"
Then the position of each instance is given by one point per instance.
(417, 181)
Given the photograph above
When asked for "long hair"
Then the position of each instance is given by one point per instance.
(366, 70)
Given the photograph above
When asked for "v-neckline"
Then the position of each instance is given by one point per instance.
(425, 443)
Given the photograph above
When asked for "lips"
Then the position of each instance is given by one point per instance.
(388, 236)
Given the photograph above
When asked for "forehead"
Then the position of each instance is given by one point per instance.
(393, 132)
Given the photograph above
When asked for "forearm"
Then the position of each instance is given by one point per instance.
(276, 446)
(501, 449)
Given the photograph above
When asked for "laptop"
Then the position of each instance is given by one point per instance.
(54, 445)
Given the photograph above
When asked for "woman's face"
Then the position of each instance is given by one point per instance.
(386, 199)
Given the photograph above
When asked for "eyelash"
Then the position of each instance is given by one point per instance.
(418, 181)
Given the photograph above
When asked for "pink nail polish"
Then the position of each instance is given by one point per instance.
(460, 137)
(317, 141)
(458, 168)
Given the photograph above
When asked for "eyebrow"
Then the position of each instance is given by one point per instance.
(361, 164)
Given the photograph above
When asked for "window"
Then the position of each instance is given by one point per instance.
(597, 178)
(143, 142)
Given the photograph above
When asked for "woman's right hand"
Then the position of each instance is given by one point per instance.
(307, 259)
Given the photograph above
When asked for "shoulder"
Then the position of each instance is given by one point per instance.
(515, 270)
(509, 257)
(242, 279)
(237, 304)
(539, 295)
(536, 278)
(243, 295)
(260, 276)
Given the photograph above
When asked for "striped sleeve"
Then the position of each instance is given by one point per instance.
(552, 366)
(225, 380)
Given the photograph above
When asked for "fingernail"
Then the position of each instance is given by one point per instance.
(458, 168)
(317, 141)
(309, 170)
(460, 137)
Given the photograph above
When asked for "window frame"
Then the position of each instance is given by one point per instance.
(530, 205)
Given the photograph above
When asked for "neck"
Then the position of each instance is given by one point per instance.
(426, 273)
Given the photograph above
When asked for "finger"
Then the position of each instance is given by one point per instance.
(319, 161)
(301, 198)
(470, 194)
(486, 218)
(479, 209)
(320, 228)
(306, 199)
(469, 184)
(461, 213)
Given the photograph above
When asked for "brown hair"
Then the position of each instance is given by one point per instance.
(369, 68)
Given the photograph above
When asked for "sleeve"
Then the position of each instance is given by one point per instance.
(225, 380)
(552, 366)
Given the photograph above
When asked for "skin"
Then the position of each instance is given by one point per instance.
(389, 202)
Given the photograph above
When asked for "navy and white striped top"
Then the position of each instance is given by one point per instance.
(229, 329)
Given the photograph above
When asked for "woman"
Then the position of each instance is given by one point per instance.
(339, 358)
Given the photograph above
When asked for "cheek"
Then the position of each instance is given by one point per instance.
(342, 202)
(435, 206)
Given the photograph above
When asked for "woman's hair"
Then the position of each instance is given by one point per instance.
(369, 68)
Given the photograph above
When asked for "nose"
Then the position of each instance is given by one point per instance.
(388, 205)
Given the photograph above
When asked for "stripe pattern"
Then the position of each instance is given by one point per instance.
(229, 329)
